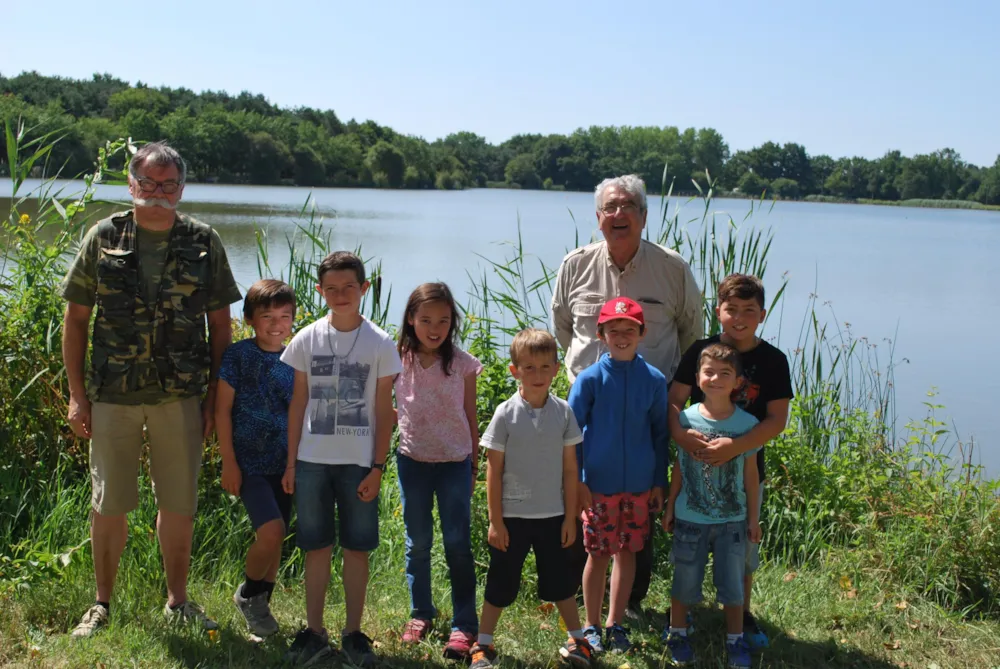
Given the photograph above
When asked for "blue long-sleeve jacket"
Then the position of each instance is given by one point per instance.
(622, 409)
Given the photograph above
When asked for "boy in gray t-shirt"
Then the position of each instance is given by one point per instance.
(531, 483)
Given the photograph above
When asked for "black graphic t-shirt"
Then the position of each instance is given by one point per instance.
(765, 378)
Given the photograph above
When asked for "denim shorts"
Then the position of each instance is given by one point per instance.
(265, 500)
(689, 555)
(319, 490)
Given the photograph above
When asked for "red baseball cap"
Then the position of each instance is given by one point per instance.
(621, 307)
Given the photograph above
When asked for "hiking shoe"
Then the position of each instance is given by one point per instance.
(666, 628)
(308, 648)
(189, 613)
(577, 653)
(459, 645)
(482, 656)
(256, 612)
(681, 652)
(739, 654)
(593, 636)
(415, 630)
(756, 637)
(634, 613)
(94, 619)
(358, 649)
(616, 638)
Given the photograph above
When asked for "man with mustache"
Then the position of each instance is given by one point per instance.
(156, 278)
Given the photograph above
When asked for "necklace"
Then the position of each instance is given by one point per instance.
(329, 339)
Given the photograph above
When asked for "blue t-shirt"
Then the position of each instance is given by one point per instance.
(263, 386)
(712, 494)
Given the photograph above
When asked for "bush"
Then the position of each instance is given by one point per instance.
(786, 189)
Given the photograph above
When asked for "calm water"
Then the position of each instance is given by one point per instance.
(917, 276)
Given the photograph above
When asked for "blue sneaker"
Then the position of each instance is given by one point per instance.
(617, 639)
(739, 654)
(681, 652)
(666, 628)
(755, 636)
(593, 636)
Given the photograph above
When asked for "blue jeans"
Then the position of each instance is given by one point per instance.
(327, 496)
(692, 544)
(419, 482)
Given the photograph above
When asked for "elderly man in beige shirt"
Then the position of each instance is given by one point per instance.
(626, 265)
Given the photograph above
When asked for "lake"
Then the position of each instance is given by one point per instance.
(916, 276)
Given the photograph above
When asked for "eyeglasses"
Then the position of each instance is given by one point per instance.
(150, 186)
(612, 209)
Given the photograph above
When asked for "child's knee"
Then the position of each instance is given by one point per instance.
(272, 533)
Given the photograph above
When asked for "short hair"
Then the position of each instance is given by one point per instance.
(158, 154)
(268, 294)
(630, 183)
(341, 260)
(533, 341)
(723, 353)
(742, 287)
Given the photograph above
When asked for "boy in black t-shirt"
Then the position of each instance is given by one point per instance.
(765, 393)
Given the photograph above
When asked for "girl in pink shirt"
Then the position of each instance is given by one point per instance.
(438, 437)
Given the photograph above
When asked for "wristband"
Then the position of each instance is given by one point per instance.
(379, 466)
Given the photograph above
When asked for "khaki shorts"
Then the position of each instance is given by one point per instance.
(174, 430)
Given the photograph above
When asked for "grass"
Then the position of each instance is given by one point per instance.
(861, 515)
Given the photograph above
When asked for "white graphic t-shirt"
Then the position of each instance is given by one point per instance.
(342, 367)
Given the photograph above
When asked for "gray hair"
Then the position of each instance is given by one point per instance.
(630, 183)
(159, 154)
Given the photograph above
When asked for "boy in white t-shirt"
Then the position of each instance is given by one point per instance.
(339, 427)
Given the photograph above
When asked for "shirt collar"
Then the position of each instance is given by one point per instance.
(633, 264)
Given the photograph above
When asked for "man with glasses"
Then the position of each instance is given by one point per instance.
(623, 264)
(156, 278)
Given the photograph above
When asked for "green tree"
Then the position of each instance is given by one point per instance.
(386, 164)
(753, 184)
(521, 171)
(270, 159)
(786, 189)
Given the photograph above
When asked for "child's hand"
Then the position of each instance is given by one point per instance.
(655, 500)
(568, 531)
(718, 452)
(288, 480)
(584, 500)
(754, 532)
(667, 522)
(368, 490)
(232, 478)
(498, 537)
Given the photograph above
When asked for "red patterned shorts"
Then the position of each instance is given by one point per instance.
(616, 523)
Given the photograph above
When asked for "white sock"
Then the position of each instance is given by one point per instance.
(485, 639)
(733, 638)
(576, 634)
(683, 631)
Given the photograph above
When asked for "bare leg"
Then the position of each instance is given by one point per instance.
(489, 618)
(264, 555)
(594, 577)
(678, 614)
(747, 589)
(569, 612)
(317, 578)
(175, 532)
(355, 587)
(622, 576)
(734, 619)
(107, 539)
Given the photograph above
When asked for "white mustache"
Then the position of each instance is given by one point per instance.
(153, 202)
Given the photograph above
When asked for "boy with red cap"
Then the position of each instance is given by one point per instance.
(620, 403)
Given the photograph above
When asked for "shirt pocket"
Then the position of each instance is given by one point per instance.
(659, 321)
(585, 311)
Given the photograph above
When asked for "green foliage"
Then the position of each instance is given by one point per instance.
(753, 184)
(786, 189)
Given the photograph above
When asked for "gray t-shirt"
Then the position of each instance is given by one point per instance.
(532, 441)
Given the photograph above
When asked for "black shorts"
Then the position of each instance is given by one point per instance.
(556, 580)
(265, 500)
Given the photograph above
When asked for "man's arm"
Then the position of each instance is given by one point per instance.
(690, 317)
(296, 414)
(74, 348)
(725, 449)
(562, 315)
(220, 336)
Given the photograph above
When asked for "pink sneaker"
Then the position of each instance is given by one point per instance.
(415, 630)
(459, 644)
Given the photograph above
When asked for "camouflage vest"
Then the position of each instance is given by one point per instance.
(170, 329)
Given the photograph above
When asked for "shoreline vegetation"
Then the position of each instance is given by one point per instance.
(881, 542)
(245, 139)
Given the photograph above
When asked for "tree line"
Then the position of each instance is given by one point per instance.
(246, 139)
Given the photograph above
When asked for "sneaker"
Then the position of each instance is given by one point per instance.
(482, 656)
(739, 654)
(634, 614)
(256, 612)
(358, 649)
(666, 628)
(754, 635)
(94, 619)
(308, 648)
(616, 637)
(459, 645)
(593, 636)
(681, 652)
(415, 630)
(577, 653)
(188, 613)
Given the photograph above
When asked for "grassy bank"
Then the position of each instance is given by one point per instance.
(879, 548)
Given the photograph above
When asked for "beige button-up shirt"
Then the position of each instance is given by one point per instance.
(657, 278)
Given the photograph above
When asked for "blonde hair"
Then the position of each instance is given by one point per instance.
(533, 341)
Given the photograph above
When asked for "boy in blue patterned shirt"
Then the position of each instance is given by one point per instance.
(251, 417)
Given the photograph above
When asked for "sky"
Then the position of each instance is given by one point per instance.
(841, 77)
